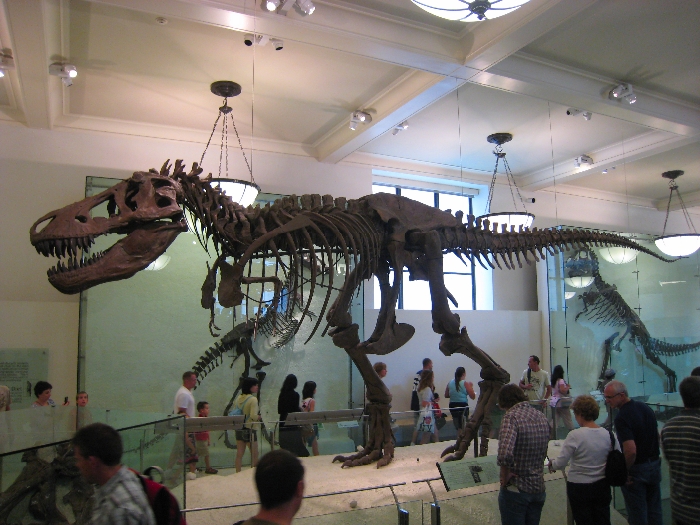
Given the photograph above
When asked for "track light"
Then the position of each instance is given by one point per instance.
(272, 5)
(6, 62)
(357, 117)
(66, 72)
(306, 6)
(623, 92)
(582, 159)
(400, 127)
(573, 112)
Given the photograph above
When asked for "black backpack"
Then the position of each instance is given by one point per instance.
(164, 505)
(615, 466)
(415, 402)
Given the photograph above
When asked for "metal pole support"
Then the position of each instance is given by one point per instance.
(403, 513)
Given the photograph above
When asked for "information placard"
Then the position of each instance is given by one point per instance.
(472, 472)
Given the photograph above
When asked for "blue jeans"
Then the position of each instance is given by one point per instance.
(520, 508)
(643, 495)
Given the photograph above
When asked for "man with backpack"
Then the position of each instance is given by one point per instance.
(120, 498)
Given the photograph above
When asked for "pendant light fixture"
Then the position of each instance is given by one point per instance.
(243, 192)
(618, 254)
(466, 11)
(513, 219)
(680, 245)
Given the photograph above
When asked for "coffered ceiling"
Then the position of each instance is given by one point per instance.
(454, 82)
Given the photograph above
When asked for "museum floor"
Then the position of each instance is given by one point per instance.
(477, 505)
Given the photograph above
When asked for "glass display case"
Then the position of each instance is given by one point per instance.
(627, 311)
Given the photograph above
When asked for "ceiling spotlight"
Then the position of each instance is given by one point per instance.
(582, 159)
(400, 127)
(6, 62)
(277, 44)
(623, 92)
(272, 5)
(572, 112)
(306, 6)
(587, 115)
(359, 116)
(66, 72)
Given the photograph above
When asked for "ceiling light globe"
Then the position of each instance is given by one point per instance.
(465, 11)
(241, 191)
(569, 295)
(618, 254)
(679, 245)
(272, 5)
(583, 281)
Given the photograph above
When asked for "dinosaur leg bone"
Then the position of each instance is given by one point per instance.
(444, 321)
(380, 445)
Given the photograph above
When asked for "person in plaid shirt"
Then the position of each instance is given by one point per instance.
(522, 448)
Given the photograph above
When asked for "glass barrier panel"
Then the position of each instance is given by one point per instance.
(32, 469)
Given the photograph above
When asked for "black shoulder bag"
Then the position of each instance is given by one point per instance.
(615, 466)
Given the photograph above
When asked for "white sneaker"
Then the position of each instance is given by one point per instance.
(191, 475)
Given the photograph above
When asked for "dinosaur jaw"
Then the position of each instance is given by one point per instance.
(128, 256)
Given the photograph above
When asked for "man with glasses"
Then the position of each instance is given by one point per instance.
(638, 434)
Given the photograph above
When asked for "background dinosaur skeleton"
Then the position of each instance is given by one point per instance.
(604, 305)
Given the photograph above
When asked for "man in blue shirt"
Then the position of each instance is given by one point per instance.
(638, 434)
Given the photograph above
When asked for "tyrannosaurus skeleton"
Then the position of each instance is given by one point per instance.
(372, 235)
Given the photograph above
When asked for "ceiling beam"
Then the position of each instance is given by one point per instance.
(547, 80)
(36, 34)
(434, 55)
(690, 200)
(636, 148)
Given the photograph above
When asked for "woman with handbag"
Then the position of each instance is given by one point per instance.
(426, 420)
(457, 391)
(587, 449)
(560, 390)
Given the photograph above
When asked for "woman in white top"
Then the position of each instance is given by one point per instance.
(587, 449)
(309, 405)
(426, 419)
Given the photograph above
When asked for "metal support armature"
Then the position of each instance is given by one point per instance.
(435, 506)
(403, 513)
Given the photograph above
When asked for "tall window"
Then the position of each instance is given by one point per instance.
(459, 277)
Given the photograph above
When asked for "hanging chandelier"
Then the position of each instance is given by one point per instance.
(465, 11)
(514, 219)
(243, 192)
(680, 245)
(618, 254)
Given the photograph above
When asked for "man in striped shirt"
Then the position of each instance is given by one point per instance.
(680, 440)
(522, 447)
(120, 499)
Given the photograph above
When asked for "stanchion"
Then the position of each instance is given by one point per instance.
(435, 506)
(403, 513)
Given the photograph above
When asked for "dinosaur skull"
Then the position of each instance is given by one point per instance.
(145, 207)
